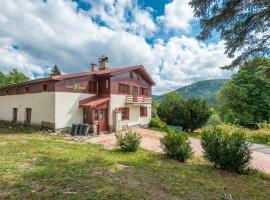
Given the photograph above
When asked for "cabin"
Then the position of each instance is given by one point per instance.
(111, 99)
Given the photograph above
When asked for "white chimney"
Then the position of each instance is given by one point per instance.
(103, 63)
(94, 67)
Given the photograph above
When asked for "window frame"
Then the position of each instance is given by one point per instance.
(143, 111)
(124, 116)
(26, 89)
(92, 87)
(45, 87)
(14, 117)
(123, 88)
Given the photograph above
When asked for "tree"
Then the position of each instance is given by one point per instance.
(194, 114)
(154, 108)
(12, 77)
(246, 98)
(55, 71)
(168, 109)
(243, 25)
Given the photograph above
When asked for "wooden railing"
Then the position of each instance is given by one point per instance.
(139, 100)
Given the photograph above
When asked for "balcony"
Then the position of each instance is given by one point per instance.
(139, 100)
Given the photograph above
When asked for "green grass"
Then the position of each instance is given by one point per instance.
(36, 166)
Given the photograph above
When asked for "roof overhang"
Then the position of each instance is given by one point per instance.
(93, 101)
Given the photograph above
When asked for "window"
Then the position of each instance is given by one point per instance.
(143, 111)
(107, 84)
(93, 87)
(15, 114)
(123, 88)
(28, 112)
(139, 76)
(125, 113)
(96, 115)
(45, 87)
(143, 91)
(26, 89)
(131, 75)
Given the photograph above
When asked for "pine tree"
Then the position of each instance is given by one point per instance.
(243, 24)
(55, 71)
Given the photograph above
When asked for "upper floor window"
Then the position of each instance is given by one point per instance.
(144, 91)
(93, 87)
(123, 88)
(26, 89)
(139, 76)
(107, 83)
(45, 87)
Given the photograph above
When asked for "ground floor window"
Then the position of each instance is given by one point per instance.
(28, 112)
(143, 111)
(15, 114)
(125, 113)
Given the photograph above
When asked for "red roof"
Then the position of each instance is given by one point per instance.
(104, 72)
(93, 101)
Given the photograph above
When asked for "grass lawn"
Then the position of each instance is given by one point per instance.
(36, 166)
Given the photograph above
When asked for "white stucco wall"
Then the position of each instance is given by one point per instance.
(67, 110)
(42, 105)
(118, 101)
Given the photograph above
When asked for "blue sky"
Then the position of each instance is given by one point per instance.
(160, 34)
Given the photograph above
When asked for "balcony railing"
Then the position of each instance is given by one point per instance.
(138, 100)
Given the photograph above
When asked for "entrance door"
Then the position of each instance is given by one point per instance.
(135, 93)
(103, 119)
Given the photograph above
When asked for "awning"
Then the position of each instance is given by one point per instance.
(93, 101)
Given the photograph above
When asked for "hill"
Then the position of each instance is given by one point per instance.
(206, 90)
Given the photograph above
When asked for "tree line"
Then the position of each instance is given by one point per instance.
(243, 100)
(14, 76)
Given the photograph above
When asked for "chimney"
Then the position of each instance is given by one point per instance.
(103, 63)
(93, 67)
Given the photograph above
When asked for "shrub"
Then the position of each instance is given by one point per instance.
(214, 120)
(227, 150)
(177, 145)
(261, 136)
(128, 142)
(157, 123)
(195, 113)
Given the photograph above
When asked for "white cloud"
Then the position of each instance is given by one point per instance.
(123, 15)
(178, 15)
(56, 33)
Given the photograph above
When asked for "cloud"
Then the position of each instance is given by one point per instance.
(56, 32)
(178, 15)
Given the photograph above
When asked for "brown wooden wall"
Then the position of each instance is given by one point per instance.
(125, 78)
(80, 85)
(33, 88)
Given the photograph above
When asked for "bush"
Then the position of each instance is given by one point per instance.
(214, 120)
(177, 145)
(227, 150)
(195, 113)
(155, 122)
(128, 142)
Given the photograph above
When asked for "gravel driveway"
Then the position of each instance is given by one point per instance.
(151, 141)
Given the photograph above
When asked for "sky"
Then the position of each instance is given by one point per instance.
(160, 34)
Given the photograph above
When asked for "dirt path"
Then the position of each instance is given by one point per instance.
(151, 141)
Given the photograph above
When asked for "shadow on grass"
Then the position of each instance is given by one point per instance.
(85, 171)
